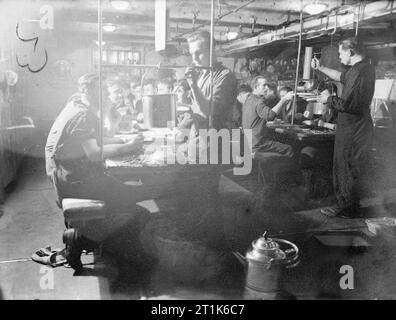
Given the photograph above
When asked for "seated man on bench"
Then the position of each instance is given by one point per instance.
(74, 162)
(256, 111)
(260, 107)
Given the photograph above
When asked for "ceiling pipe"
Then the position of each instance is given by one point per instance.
(335, 25)
(211, 52)
(371, 11)
(100, 44)
(294, 105)
(218, 18)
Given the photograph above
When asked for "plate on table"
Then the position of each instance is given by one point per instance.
(183, 109)
(148, 139)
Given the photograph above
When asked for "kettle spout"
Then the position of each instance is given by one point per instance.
(240, 257)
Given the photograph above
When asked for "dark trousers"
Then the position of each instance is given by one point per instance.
(315, 163)
(317, 156)
(117, 195)
(350, 163)
(277, 147)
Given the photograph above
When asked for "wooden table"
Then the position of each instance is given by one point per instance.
(195, 183)
(157, 141)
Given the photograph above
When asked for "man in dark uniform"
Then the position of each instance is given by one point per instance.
(354, 125)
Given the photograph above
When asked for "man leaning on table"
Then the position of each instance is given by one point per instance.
(72, 153)
(354, 125)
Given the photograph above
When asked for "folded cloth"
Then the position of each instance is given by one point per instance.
(53, 258)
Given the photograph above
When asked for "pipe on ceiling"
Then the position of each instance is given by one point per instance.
(371, 10)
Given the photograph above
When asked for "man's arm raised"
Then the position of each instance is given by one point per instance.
(331, 73)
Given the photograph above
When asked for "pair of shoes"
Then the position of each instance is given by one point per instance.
(49, 257)
(332, 211)
(336, 211)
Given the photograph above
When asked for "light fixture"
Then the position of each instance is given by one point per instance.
(120, 4)
(315, 7)
(232, 35)
(109, 27)
(97, 43)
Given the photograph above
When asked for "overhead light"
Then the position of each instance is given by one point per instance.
(232, 35)
(120, 4)
(108, 27)
(97, 43)
(315, 7)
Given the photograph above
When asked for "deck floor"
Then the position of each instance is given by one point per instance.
(30, 219)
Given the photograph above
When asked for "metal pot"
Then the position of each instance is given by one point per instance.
(265, 261)
(319, 108)
(148, 111)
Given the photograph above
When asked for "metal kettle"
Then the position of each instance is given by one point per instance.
(265, 261)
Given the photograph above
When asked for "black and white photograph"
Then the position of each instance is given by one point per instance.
(224, 151)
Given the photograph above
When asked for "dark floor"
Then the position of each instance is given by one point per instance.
(30, 219)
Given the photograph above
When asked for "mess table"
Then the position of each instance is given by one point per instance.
(186, 208)
(302, 133)
(188, 184)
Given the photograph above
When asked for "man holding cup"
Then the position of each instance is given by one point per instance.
(224, 85)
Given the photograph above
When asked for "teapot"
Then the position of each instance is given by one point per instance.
(265, 261)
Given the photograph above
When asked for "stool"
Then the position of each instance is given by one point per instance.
(82, 210)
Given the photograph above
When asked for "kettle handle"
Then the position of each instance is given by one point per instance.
(240, 258)
(291, 253)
